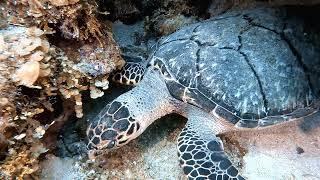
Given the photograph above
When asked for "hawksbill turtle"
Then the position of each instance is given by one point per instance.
(239, 71)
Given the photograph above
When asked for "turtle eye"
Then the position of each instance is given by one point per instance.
(111, 144)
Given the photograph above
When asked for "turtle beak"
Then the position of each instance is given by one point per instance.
(94, 153)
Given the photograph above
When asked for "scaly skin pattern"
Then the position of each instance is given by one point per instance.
(202, 159)
(113, 122)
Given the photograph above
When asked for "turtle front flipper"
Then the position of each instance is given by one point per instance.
(201, 152)
(130, 74)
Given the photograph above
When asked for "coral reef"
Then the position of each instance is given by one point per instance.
(42, 76)
(26, 59)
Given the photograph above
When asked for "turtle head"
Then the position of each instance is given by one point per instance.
(111, 129)
(130, 114)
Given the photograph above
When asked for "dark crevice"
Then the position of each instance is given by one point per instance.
(298, 57)
(226, 10)
(265, 101)
(66, 147)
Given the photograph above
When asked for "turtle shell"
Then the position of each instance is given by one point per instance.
(244, 67)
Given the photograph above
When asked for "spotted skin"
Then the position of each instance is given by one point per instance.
(202, 158)
(130, 74)
(112, 127)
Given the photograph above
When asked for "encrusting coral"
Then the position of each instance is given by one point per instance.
(38, 77)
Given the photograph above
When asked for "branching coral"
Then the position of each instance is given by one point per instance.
(90, 73)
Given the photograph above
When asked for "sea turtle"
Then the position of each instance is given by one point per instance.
(239, 71)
